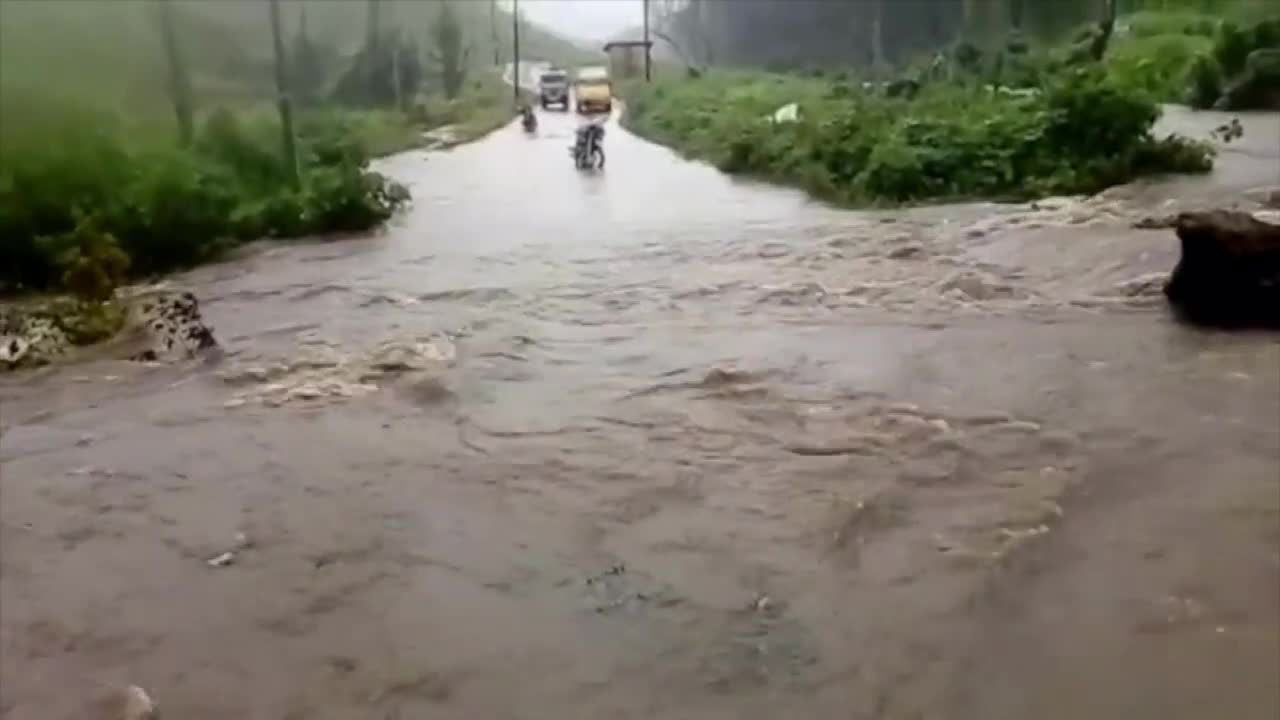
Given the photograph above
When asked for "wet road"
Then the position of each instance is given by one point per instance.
(657, 443)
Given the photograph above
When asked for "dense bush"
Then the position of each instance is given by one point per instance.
(91, 261)
(1240, 71)
(172, 208)
(1206, 83)
(1081, 132)
(1231, 47)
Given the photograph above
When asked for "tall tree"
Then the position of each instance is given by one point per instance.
(1016, 8)
(450, 53)
(373, 26)
(179, 79)
(493, 31)
(1106, 26)
(283, 101)
(306, 64)
(877, 35)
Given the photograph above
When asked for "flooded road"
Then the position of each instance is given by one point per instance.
(654, 442)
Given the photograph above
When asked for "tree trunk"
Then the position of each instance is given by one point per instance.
(493, 31)
(515, 50)
(373, 26)
(179, 80)
(396, 87)
(1098, 48)
(282, 92)
(877, 37)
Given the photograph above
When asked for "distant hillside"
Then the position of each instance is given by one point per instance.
(342, 23)
(106, 54)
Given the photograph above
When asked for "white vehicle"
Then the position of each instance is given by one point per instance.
(553, 88)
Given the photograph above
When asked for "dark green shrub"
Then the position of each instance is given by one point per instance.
(1174, 154)
(43, 187)
(175, 212)
(280, 215)
(171, 209)
(895, 171)
(1206, 83)
(1231, 48)
(1090, 115)
(88, 322)
(91, 261)
(347, 199)
(1258, 87)
(1081, 132)
(1266, 34)
(224, 139)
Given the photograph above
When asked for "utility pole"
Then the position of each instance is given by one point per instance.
(515, 49)
(648, 60)
(282, 90)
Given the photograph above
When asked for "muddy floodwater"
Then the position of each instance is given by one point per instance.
(657, 443)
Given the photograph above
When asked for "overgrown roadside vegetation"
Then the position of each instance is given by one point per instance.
(1080, 133)
(132, 147)
(1012, 119)
(1230, 62)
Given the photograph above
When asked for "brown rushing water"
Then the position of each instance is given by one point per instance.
(659, 443)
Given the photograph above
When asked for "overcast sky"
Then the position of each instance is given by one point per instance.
(585, 19)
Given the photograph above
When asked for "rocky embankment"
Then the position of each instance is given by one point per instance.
(144, 324)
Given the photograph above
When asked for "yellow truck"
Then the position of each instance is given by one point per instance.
(593, 91)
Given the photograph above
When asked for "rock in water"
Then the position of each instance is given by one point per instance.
(1229, 273)
(171, 325)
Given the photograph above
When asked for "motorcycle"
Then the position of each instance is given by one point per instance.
(528, 119)
(588, 147)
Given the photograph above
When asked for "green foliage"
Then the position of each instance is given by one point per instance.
(1206, 83)
(1161, 53)
(1174, 154)
(1158, 24)
(224, 139)
(90, 261)
(1156, 65)
(1235, 72)
(1258, 87)
(1082, 132)
(1231, 47)
(1266, 34)
(166, 209)
(87, 322)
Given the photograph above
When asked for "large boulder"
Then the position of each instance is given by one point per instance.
(1258, 87)
(1229, 273)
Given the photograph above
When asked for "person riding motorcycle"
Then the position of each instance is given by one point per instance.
(588, 146)
(528, 119)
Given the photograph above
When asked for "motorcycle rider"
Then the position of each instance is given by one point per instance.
(587, 143)
(528, 119)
